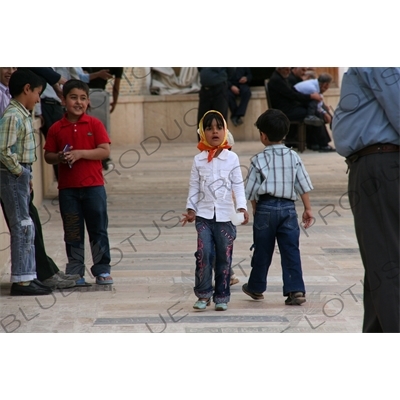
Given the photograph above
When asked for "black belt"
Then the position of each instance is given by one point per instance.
(47, 100)
(373, 149)
(264, 197)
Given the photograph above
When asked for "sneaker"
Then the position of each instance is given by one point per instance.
(62, 275)
(56, 282)
(221, 307)
(255, 296)
(201, 304)
(295, 299)
(313, 120)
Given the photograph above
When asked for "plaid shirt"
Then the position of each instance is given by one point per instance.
(279, 172)
(17, 138)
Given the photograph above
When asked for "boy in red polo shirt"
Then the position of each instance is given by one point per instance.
(78, 142)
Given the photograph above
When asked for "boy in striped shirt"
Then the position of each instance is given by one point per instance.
(276, 177)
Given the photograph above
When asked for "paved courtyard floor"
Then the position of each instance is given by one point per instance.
(153, 258)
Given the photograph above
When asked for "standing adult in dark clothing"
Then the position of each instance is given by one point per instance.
(366, 129)
(106, 107)
(296, 75)
(100, 83)
(239, 87)
(299, 107)
(213, 93)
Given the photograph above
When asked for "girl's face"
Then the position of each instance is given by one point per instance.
(215, 133)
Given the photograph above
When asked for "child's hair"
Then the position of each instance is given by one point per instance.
(75, 84)
(208, 119)
(22, 77)
(273, 123)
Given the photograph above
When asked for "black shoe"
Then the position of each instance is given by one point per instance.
(239, 120)
(313, 147)
(326, 149)
(255, 296)
(295, 299)
(234, 120)
(313, 120)
(33, 289)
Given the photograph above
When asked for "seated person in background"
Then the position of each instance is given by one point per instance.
(299, 107)
(239, 87)
(320, 85)
(297, 74)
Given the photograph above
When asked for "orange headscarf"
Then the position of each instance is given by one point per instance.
(204, 145)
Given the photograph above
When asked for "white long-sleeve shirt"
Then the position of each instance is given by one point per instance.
(212, 183)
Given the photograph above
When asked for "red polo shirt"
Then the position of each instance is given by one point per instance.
(85, 134)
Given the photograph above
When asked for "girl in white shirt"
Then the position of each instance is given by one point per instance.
(214, 176)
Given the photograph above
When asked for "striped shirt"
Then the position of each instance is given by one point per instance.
(17, 138)
(5, 98)
(279, 172)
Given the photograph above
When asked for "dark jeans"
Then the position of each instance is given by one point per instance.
(374, 199)
(214, 241)
(276, 219)
(80, 206)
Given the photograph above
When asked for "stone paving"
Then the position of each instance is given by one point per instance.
(153, 258)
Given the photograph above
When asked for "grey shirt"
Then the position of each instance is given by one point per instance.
(369, 109)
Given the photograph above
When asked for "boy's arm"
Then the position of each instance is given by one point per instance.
(308, 218)
(8, 137)
(54, 158)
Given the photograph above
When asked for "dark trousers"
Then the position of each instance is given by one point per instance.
(80, 207)
(51, 113)
(374, 199)
(213, 98)
(45, 266)
(316, 135)
(239, 110)
(276, 220)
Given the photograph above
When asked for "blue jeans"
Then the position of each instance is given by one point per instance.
(15, 195)
(214, 242)
(276, 219)
(80, 206)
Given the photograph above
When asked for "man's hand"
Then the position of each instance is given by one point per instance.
(235, 90)
(103, 74)
(327, 118)
(316, 96)
(243, 79)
